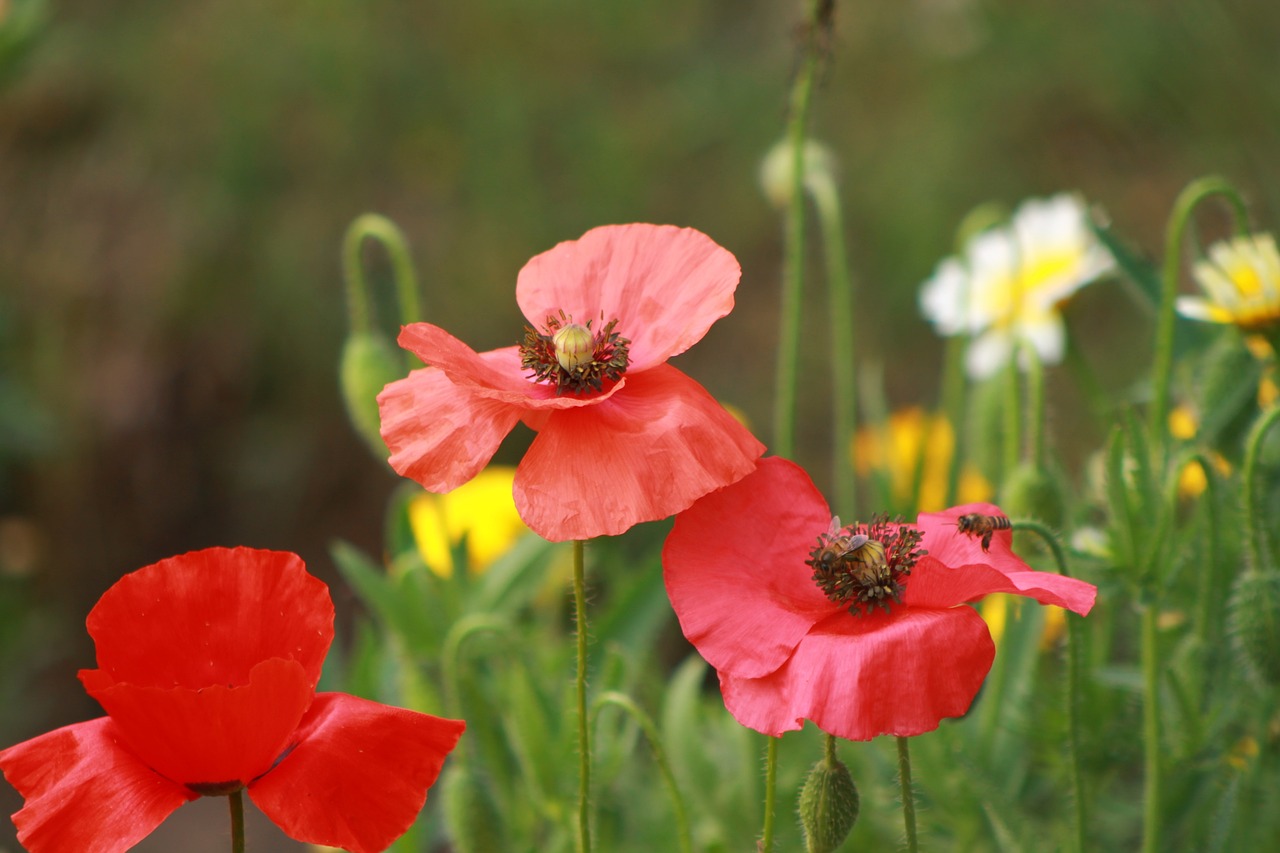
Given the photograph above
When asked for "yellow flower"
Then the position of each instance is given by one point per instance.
(996, 610)
(483, 510)
(896, 449)
(1192, 480)
(1241, 281)
(1006, 289)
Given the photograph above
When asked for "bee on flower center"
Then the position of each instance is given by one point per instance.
(976, 524)
(864, 566)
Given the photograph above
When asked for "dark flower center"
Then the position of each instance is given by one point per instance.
(865, 566)
(572, 357)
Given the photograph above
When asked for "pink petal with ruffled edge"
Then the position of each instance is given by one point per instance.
(947, 544)
(735, 572)
(639, 456)
(83, 791)
(664, 285)
(860, 677)
(359, 773)
(441, 434)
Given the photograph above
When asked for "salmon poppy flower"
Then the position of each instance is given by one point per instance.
(207, 668)
(862, 629)
(623, 437)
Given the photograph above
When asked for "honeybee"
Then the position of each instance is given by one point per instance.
(835, 546)
(867, 552)
(977, 524)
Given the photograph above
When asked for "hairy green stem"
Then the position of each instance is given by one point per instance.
(770, 793)
(1256, 533)
(584, 741)
(236, 802)
(1072, 686)
(1152, 782)
(1186, 203)
(908, 796)
(954, 406)
(386, 232)
(628, 706)
(1035, 407)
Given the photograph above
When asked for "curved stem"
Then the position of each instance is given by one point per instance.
(584, 740)
(236, 802)
(627, 705)
(1187, 201)
(386, 232)
(451, 653)
(1073, 685)
(908, 796)
(1258, 544)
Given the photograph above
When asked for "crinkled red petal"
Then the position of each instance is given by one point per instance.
(358, 774)
(208, 617)
(860, 677)
(84, 791)
(664, 285)
(646, 453)
(735, 572)
(210, 735)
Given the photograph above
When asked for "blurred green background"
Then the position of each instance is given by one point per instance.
(176, 177)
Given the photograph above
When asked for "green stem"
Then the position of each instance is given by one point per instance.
(770, 794)
(584, 742)
(1012, 417)
(1258, 543)
(1151, 729)
(624, 702)
(840, 304)
(908, 796)
(451, 653)
(953, 405)
(1035, 407)
(386, 232)
(1162, 368)
(236, 801)
(1072, 687)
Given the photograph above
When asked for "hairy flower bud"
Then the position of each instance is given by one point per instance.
(1255, 622)
(367, 365)
(475, 825)
(828, 805)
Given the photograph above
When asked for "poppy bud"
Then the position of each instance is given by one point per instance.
(1032, 492)
(475, 826)
(575, 345)
(828, 805)
(1255, 622)
(367, 365)
(776, 172)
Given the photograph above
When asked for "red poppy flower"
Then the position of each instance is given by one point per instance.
(623, 437)
(895, 655)
(207, 667)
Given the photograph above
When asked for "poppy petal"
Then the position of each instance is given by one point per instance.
(860, 677)
(641, 455)
(497, 374)
(211, 735)
(84, 791)
(735, 572)
(358, 775)
(958, 550)
(208, 617)
(441, 434)
(665, 286)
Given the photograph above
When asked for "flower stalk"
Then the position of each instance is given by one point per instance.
(236, 802)
(584, 732)
(908, 796)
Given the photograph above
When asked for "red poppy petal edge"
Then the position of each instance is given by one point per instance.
(358, 775)
(83, 791)
(644, 454)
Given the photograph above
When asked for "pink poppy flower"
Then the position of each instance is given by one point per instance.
(623, 437)
(207, 668)
(892, 650)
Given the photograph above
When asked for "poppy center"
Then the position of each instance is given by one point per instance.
(865, 566)
(572, 357)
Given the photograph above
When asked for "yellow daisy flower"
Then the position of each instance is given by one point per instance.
(1241, 281)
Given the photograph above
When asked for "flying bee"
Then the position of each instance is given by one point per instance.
(977, 524)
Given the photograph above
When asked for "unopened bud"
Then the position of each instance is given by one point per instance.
(777, 172)
(828, 806)
(575, 346)
(368, 364)
(470, 814)
(1255, 622)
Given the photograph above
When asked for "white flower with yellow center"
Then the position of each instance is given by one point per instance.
(1241, 280)
(1007, 287)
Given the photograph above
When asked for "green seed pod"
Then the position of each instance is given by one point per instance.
(1032, 492)
(368, 364)
(828, 806)
(1254, 614)
(470, 814)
